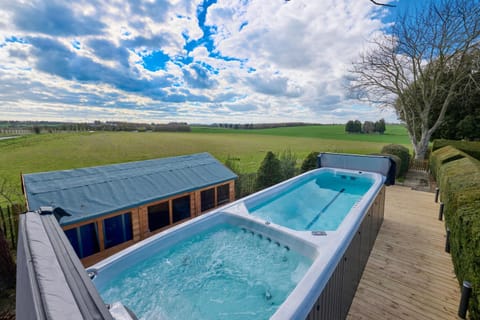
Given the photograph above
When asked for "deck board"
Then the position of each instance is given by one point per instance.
(408, 274)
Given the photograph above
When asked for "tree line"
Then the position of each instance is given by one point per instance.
(52, 127)
(262, 125)
(356, 126)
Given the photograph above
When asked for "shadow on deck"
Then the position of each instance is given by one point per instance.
(408, 274)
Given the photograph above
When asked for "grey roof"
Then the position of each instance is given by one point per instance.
(91, 192)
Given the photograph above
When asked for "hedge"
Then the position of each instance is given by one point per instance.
(396, 159)
(469, 147)
(458, 176)
(443, 156)
(401, 152)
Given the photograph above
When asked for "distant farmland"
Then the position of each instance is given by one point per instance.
(46, 152)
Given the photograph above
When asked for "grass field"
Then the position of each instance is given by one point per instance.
(394, 134)
(46, 152)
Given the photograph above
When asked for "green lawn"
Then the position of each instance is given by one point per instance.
(46, 152)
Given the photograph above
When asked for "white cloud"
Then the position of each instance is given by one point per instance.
(271, 61)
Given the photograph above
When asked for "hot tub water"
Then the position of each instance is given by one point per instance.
(226, 272)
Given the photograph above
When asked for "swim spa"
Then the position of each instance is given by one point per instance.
(319, 200)
(327, 260)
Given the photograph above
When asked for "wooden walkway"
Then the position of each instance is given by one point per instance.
(408, 275)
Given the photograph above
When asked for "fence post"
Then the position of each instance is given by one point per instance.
(466, 293)
(440, 211)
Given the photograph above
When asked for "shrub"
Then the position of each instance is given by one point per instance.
(458, 176)
(396, 159)
(310, 162)
(269, 173)
(471, 148)
(288, 162)
(401, 152)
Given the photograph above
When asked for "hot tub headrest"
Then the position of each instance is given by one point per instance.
(383, 165)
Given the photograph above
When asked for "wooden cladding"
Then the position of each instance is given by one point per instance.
(98, 238)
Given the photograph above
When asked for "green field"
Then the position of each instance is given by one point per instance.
(394, 133)
(46, 152)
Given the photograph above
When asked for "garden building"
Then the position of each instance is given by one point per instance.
(107, 208)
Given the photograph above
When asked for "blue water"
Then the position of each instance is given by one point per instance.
(224, 273)
(319, 202)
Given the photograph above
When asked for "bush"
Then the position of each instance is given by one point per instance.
(310, 162)
(269, 173)
(288, 162)
(458, 176)
(471, 148)
(396, 159)
(401, 152)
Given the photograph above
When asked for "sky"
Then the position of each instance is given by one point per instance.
(207, 61)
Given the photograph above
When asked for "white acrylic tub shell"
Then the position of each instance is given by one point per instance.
(324, 250)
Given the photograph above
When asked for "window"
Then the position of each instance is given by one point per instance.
(117, 230)
(223, 194)
(158, 216)
(84, 239)
(208, 199)
(72, 235)
(180, 209)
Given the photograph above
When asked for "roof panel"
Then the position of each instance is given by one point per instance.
(90, 192)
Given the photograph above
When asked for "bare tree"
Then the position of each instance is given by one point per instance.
(423, 60)
(8, 192)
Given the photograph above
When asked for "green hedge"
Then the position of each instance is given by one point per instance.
(401, 152)
(469, 147)
(396, 159)
(443, 156)
(458, 176)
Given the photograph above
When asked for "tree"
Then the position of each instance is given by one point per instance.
(353, 126)
(357, 126)
(288, 161)
(423, 59)
(462, 119)
(269, 172)
(349, 126)
(310, 162)
(368, 127)
(8, 194)
(380, 126)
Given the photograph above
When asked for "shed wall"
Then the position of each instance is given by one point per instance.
(140, 221)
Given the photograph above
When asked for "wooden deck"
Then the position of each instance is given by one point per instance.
(408, 274)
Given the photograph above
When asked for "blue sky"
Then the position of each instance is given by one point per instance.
(235, 61)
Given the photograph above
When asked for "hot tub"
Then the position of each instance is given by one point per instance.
(330, 256)
(221, 267)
